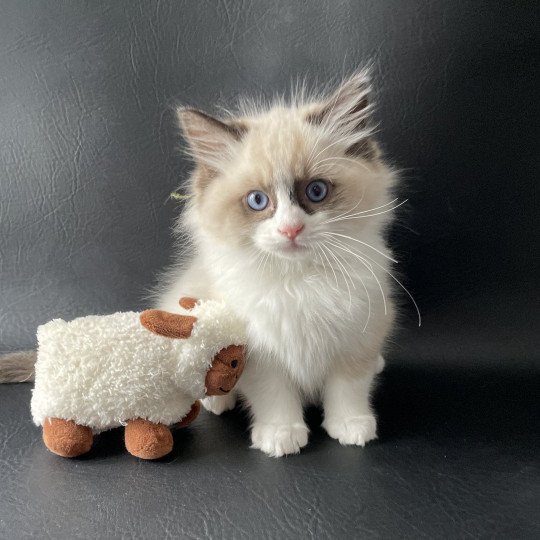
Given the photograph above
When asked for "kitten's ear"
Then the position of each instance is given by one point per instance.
(209, 139)
(347, 112)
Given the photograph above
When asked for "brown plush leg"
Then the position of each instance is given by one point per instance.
(191, 415)
(147, 440)
(66, 438)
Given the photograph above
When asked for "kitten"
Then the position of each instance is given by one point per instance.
(287, 209)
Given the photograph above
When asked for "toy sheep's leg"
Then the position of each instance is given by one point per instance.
(66, 438)
(191, 415)
(147, 440)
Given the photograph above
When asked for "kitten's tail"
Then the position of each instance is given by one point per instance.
(17, 367)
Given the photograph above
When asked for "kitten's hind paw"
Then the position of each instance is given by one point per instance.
(357, 430)
(220, 404)
(277, 440)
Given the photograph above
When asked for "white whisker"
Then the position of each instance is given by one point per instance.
(368, 266)
(344, 213)
(262, 263)
(330, 264)
(345, 247)
(347, 214)
(369, 304)
(393, 277)
(322, 262)
(367, 215)
(340, 268)
(402, 286)
(363, 243)
(341, 158)
(342, 265)
(344, 259)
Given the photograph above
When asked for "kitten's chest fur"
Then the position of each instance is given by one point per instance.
(299, 321)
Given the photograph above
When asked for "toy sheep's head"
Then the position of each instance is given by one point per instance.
(227, 365)
(226, 368)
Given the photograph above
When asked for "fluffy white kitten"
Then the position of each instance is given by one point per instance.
(285, 222)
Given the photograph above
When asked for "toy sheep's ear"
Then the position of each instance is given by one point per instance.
(188, 303)
(167, 324)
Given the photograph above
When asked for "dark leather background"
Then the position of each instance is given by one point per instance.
(88, 156)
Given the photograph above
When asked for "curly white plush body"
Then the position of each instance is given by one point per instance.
(101, 371)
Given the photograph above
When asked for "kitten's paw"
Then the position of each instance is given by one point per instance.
(220, 404)
(356, 430)
(279, 439)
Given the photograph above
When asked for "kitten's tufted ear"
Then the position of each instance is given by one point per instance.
(346, 112)
(210, 140)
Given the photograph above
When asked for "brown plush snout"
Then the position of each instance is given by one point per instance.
(226, 368)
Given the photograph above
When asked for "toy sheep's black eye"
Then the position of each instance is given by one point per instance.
(234, 363)
(317, 190)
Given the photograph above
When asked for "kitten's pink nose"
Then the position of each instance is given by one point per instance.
(291, 231)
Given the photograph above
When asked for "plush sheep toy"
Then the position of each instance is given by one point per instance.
(145, 371)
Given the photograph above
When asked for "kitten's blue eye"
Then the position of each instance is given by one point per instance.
(317, 190)
(257, 200)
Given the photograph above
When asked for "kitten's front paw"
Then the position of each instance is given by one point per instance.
(220, 404)
(279, 439)
(356, 430)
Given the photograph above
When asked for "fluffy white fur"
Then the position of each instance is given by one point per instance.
(318, 314)
(101, 371)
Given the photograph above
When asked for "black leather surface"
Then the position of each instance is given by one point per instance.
(457, 458)
(88, 156)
